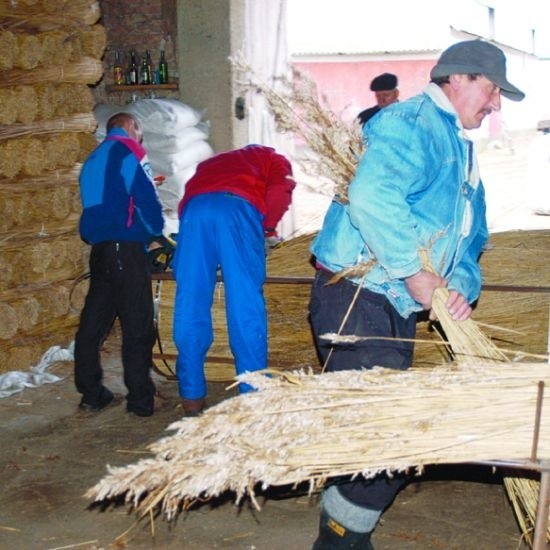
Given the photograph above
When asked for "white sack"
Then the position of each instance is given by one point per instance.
(174, 143)
(168, 164)
(164, 115)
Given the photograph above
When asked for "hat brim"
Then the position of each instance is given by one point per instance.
(506, 89)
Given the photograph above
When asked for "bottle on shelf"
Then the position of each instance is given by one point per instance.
(118, 72)
(144, 72)
(149, 67)
(133, 71)
(163, 69)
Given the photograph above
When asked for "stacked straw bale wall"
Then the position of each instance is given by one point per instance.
(50, 55)
(516, 259)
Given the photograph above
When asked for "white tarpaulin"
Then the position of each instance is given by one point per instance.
(16, 381)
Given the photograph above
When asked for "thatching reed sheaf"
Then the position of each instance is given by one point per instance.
(50, 52)
(26, 205)
(48, 14)
(303, 427)
(86, 70)
(81, 122)
(297, 109)
(26, 104)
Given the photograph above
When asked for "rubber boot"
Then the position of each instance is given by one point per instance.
(334, 536)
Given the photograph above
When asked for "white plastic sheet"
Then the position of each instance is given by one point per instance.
(16, 381)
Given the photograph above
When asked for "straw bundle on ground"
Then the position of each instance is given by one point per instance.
(306, 427)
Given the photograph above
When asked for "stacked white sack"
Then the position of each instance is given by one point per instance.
(175, 138)
(176, 141)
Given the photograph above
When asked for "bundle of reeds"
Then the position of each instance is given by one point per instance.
(305, 427)
(50, 50)
(26, 209)
(86, 70)
(20, 312)
(81, 122)
(468, 341)
(524, 495)
(40, 259)
(8, 49)
(49, 14)
(297, 109)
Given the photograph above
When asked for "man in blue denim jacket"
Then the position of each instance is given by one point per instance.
(417, 188)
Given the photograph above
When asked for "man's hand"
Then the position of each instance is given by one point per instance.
(421, 287)
(458, 306)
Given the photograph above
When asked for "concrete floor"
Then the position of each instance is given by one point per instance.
(51, 454)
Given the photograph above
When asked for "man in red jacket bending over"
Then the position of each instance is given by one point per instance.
(230, 206)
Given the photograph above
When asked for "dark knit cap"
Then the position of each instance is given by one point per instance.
(384, 82)
(477, 57)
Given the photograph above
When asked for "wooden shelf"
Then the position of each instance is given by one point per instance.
(141, 87)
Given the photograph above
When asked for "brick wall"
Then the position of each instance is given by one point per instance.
(139, 25)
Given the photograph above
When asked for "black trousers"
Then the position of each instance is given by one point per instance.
(120, 286)
(371, 315)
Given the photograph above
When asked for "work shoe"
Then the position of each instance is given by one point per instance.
(193, 407)
(108, 399)
(159, 402)
(334, 536)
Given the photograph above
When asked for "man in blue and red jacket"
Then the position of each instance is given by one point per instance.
(121, 215)
(231, 206)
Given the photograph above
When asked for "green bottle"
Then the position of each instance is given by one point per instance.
(163, 69)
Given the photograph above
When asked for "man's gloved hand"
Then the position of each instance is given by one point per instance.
(272, 242)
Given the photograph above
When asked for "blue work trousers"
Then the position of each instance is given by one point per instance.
(219, 230)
